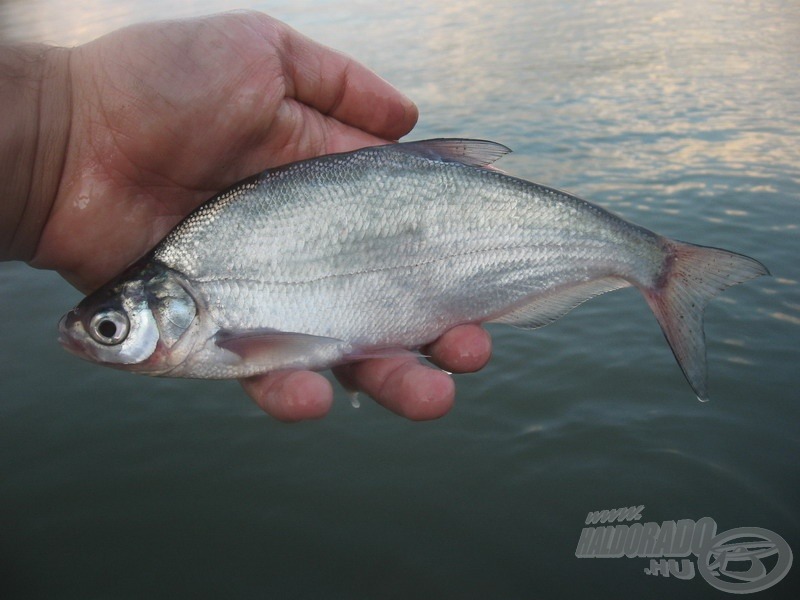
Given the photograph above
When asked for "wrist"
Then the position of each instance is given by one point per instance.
(36, 98)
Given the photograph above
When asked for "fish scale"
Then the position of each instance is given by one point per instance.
(355, 255)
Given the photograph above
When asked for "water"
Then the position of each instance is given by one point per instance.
(682, 116)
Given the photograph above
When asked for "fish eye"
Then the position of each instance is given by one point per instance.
(109, 327)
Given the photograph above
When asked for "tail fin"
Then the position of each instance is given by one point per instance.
(692, 275)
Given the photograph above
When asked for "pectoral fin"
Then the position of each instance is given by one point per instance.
(274, 349)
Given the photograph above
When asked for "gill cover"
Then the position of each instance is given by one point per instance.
(124, 322)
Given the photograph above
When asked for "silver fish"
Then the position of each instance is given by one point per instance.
(357, 255)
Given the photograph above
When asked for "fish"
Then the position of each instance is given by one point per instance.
(365, 254)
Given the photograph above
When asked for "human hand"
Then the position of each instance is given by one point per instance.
(403, 385)
(164, 115)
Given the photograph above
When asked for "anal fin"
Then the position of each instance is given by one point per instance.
(543, 309)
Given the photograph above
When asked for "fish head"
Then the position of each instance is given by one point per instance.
(136, 322)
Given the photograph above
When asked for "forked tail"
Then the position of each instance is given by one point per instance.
(692, 275)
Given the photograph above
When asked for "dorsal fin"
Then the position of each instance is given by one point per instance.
(474, 153)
